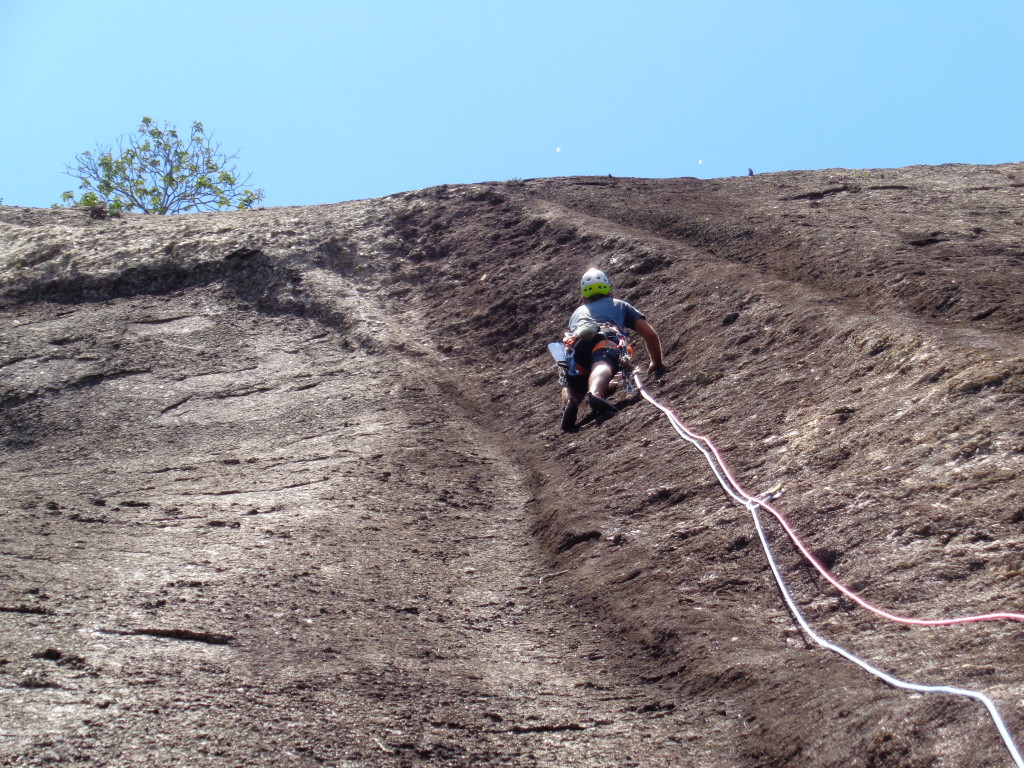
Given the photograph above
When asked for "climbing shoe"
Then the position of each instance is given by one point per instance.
(569, 416)
(600, 405)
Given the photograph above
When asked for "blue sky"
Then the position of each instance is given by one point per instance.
(332, 101)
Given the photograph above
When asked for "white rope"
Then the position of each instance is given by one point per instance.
(752, 504)
(893, 681)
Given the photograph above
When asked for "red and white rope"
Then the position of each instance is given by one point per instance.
(736, 492)
(743, 497)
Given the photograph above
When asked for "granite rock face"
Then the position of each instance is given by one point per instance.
(288, 486)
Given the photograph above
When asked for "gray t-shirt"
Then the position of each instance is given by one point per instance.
(619, 313)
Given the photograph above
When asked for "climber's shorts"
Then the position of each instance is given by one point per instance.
(603, 351)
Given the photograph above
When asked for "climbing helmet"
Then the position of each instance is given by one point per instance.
(595, 284)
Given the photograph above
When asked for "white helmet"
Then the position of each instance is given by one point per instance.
(595, 284)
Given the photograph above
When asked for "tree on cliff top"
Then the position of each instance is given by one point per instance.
(155, 170)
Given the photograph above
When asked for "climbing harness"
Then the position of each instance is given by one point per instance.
(752, 504)
(564, 353)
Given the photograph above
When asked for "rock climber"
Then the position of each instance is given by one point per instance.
(595, 343)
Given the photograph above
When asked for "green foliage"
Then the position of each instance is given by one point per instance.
(157, 171)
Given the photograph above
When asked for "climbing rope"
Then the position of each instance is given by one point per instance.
(736, 491)
(752, 503)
